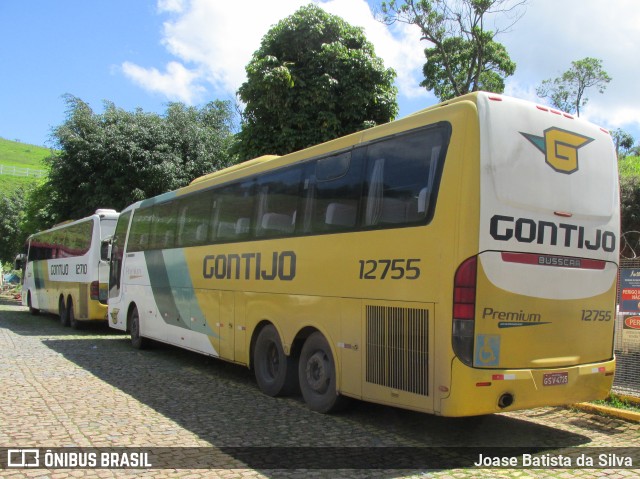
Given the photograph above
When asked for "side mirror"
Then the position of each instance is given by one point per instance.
(105, 250)
(19, 262)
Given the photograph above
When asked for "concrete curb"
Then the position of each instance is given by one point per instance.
(608, 411)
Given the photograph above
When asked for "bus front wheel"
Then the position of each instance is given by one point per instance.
(137, 341)
(317, 375)
(275, 372)
(33, 311)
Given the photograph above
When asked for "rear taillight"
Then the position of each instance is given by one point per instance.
(464, 308)
(94, 290)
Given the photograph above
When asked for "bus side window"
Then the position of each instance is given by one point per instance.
(278, 198)
(117, 253)
(77, 239)
(233, 212)
(163, 226)
(337, 189)
(194, 218)
(140, 227)
(58, 240)
(401, 175)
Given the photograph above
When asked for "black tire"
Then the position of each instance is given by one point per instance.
(317, 375)
(33, 311)
(73, 322)
(62, 312)
(137, 341)
(276, 373)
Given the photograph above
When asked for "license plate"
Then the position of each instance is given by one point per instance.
(555, 379)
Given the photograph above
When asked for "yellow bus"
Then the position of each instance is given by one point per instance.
(459, 261)
(63, 272)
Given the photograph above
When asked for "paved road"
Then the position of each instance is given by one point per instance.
(61, 388)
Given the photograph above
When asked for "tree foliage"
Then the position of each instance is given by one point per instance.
(314, 78)
(112, 159)
(630, 204)
(11, 215)
(464, 56)
(623, 142)
(567, 92)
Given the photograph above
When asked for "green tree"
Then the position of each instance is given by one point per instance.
(38, 212)
(464, 55)
(314, 78)
(112, 159)
(11, 214)
(623, 142)
(568, 92)
(630, 205)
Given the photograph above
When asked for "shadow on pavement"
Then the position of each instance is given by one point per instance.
(44, 324)
(221, 404)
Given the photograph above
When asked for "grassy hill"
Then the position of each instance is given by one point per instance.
(20, 155)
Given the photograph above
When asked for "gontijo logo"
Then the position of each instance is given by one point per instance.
(560, 148)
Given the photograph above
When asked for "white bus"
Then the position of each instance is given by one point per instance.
(459, 261)
(64, 273)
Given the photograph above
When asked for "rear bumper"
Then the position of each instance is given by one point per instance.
(479, 391)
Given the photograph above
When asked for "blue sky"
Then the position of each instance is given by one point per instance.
(145, 53)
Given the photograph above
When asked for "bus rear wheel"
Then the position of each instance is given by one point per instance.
(317, 375)
(276, 373)
(73, 322)
(137, 341)
(62, 312)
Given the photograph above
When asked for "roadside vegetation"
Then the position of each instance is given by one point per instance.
(615, 401)
(20, 155)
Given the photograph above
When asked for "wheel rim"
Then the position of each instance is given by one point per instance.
(134, 326)
(273, 361)
(62, 312)
(318, 372)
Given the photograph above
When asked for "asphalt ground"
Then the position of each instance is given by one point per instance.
(89, 391)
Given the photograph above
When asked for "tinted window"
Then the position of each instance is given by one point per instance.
(335, 188)
(278, 195)
(401, 178)
(117, 252)
(140, 228)
(163, 226)
(74, 240)
(233, 212)
(194, 219)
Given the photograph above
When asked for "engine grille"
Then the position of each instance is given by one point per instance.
(398, 348)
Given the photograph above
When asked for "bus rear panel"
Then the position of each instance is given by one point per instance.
(533, 313)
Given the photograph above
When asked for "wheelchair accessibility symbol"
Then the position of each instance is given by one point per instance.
(487, 350)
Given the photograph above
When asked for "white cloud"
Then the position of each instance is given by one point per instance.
(399, 46)
(210, 36)
(212, 42)
(177, 83)
(552, 34)
(174, 6)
